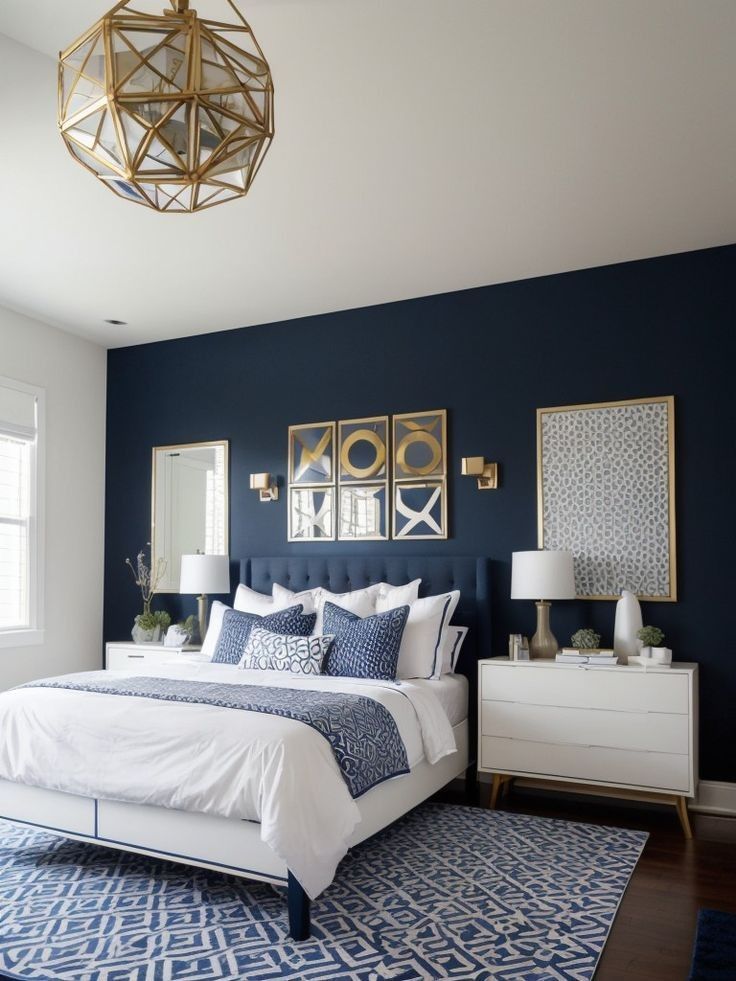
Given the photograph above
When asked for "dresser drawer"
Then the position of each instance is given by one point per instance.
(577, 687)
(658, 732)
(592, 764)
(125, 659)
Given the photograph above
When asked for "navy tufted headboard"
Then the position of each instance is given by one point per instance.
(438, 574)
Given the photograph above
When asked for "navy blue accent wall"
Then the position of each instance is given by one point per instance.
(491, 356)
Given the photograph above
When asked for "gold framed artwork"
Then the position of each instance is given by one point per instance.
(420, 509)
(311, 472)
(419, 493)
(311, 514)
(363, 467)
(606, 492)
(420, 445)
(312, 453)
(369, 479)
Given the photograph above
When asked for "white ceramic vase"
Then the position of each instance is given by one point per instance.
(141, 636)
(176, 636)
(628, 621)
(661, 656)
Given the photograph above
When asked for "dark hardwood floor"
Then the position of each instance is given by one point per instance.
(652, 936)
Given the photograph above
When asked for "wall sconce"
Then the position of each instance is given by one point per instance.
(267, 489)
(487, 473)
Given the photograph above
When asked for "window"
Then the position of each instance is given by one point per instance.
(21, 516)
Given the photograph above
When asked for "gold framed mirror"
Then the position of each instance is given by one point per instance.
(189, 504)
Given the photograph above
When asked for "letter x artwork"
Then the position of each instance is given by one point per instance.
(312, 482)
(347, 479)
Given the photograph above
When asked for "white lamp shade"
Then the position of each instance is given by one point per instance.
(541, 575)
(205, 574)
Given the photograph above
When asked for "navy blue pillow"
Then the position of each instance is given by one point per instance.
(236, 628)
(364, 648)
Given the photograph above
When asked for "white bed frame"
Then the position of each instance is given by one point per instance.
(216, 843)
(235, 847)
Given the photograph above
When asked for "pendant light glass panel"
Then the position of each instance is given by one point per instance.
(167, 109)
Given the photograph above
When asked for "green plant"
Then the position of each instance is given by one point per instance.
(650, 636)
(163, 619)
(146, 621)
(586, 638)
(152, 619)
(190, 625)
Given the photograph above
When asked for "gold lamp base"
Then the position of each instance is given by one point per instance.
(202, 616)
(543, 643)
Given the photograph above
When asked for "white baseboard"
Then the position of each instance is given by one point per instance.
(715, 797)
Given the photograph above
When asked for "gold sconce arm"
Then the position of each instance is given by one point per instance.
(487, 473)
(266, 486)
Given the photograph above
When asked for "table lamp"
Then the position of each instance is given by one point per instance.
(203, 574)
(542, 576)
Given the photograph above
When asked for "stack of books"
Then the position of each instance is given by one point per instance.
(575, 655)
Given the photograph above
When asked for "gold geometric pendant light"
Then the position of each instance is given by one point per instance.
(167, 110)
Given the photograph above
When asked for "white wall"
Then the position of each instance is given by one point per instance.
(73, 372)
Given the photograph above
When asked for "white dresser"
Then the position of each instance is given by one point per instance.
(145, 658)
(629, 730)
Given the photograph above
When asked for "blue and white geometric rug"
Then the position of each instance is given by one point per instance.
(447, 892)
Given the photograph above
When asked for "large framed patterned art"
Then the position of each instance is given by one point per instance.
(363, 467)
(606, 492)
(420, 475)
(312, 482)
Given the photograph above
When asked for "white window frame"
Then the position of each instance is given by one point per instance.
(34, 633)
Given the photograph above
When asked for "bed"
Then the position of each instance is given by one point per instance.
(179, 829)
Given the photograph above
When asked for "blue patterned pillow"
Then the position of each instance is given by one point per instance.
(266, 651)
(364, 648)
(236, 628)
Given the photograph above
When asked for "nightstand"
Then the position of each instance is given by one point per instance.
(127, 656)
(615, 730)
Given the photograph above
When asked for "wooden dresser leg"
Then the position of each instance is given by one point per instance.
(495, 787)
(681, 805)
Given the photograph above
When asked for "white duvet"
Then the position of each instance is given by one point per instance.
(227, 762)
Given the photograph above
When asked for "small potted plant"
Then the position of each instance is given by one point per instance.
(651, 640)
(586, 639)
(149, 625)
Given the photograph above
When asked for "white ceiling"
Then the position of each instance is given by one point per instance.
(422, 146)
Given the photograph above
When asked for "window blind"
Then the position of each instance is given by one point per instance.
(17, 436)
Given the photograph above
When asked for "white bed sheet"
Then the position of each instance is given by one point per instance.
(452, 692)
(192, 757)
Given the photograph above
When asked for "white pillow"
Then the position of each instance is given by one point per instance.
(283, 598)
(420, 655)
(217, 612)
(359, 601)
(453, 641)
(247, 600)
(389, 597)
(362, 602)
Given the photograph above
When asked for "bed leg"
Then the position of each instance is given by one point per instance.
(298, 900)
(471, 785)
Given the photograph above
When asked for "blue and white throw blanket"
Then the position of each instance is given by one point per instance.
(363, 735)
